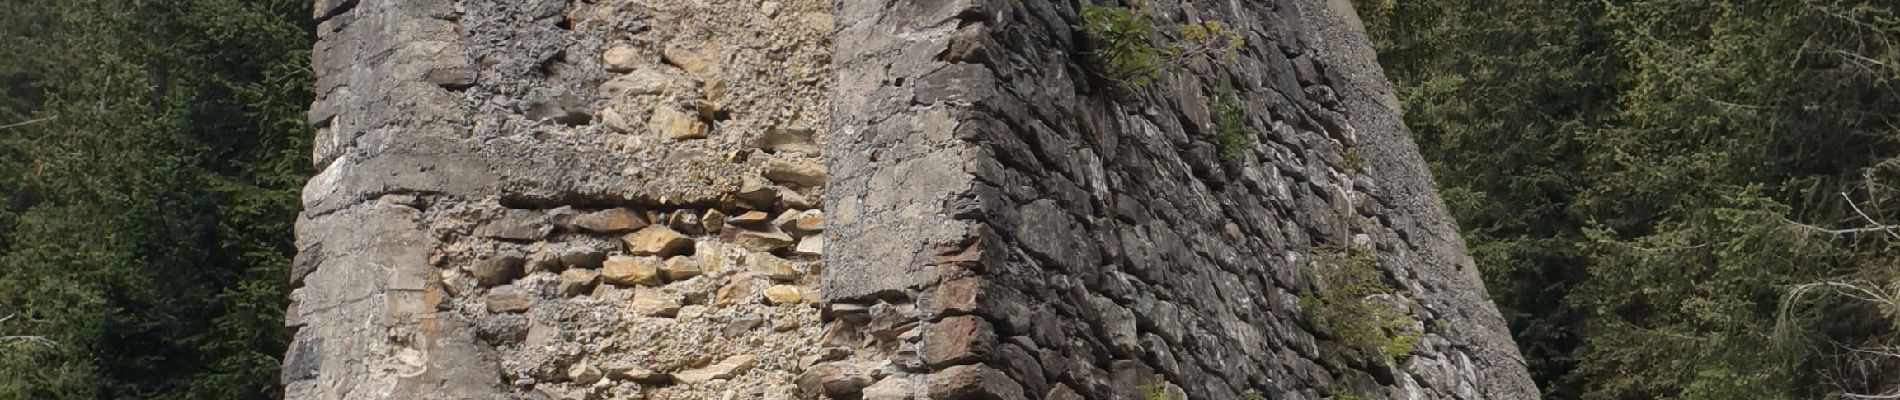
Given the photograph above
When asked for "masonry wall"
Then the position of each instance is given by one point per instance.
(562, 200)
(1058, 236)
(789, 199)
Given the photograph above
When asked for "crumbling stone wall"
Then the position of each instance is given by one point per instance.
(738, 199)
(562, 200)
(1060, 236)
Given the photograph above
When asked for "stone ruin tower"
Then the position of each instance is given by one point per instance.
(899, 199)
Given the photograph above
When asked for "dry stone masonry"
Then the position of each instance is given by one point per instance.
(880, 200)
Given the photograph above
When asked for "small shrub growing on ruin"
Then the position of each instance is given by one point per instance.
(1346, 309)
(1125, 49)
(1231, 130)
(1122, 50)
(1153, 391)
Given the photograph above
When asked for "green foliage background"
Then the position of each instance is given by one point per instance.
(149, 170)
(1646, 184)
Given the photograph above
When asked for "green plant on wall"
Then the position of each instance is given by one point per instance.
(1348, 307)
(1153, 390)
(1231, 130)
(1156, 387)
(1125, 49)
(1354, 159)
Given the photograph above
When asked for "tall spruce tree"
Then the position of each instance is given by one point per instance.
(1672, 199)
(153, 150)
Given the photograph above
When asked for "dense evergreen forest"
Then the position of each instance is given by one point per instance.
(1670, 199)
(150, 157)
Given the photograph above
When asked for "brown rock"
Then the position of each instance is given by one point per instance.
(627, 271)
(810, 246)
(784, 294)
(713, 221)
(516, 225)
(542, 261)
(823, 355)
(727, 369)
(611, 294)
(577, 281)
(972, 382)
(892, 388)
(645, 82)
(554, 392)
(676, 124)
(740, 289)
(621, 58)
(584, 374)
(708, 110)
(958, 340)
(758, 240)
(649, 302)
(839, 335)
(714, 87)
(1060, 392)
(750, 218)
(680, 268)
(796, 172)
(655, 240)
(771, 266)
(499, 269)
(833, 380)
(684, 221)
(787, 140)
(889, 326)
(792, 199)
(756, 192)
(802, 222)
(507, 299)
(612, 220)
(961, 295)
(627, 371)
(452, 282)
(785, 324)
(784, 220)
(712, 256)
(618, 120)
(579, 257)
(693, 62)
